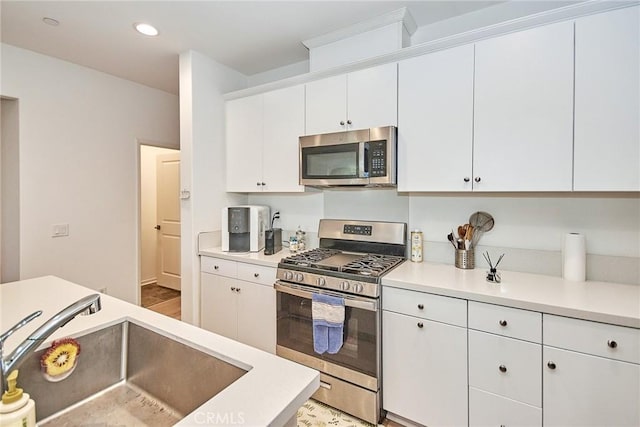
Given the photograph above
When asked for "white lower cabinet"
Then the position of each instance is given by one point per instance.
(586, 380)
(424, 365)
(243, 310)
(488, 409)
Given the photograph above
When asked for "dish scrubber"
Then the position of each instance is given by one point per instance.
(59, 361)
(16, 409)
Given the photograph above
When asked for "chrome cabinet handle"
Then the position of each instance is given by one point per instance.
(420, 306)
(503, 322)
(476, 179)
(466, 179)
(420, 325)
(502, 368)
(612, 344)
(551, 365)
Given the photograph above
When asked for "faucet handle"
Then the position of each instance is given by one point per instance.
(19, 325)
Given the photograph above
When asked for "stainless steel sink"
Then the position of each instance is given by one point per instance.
(128, 375)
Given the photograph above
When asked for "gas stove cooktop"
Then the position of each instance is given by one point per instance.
(352, 257)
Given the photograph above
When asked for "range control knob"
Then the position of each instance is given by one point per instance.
(345, 285)
(288, 275)
(358, 287)
(299, 277)
(321, 282)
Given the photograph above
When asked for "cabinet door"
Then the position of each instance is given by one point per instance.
(244, 144)
(372, 97)
(218, 305)
(586, 390)
(523, 124)
(424, 370)
(326, 105)
(435, 121)
(607, 135)
(257, 316)
(283, 124)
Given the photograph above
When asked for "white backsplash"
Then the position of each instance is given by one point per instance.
(529, 228)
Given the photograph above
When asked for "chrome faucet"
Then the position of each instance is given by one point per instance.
(87, 305)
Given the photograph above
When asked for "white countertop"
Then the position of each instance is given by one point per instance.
(258, 258)
(613, 303)
(270, 393)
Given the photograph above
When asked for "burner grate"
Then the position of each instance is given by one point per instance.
(310, 258)
(372, 265)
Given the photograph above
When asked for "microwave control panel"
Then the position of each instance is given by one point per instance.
(378, 158)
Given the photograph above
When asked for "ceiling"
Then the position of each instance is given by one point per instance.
(248, 36)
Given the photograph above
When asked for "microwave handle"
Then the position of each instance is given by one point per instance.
(364, 160)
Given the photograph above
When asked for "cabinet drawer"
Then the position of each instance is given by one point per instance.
(506, 321)
(221, 267)
(427, 306)
(600, 339)
(487, 409)
(257, 274)
(505, 366)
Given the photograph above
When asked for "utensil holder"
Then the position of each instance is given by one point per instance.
(465, 259)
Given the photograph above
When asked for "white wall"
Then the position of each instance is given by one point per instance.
(10, 206)
(78, 165)
(202, 169)
(148, 211)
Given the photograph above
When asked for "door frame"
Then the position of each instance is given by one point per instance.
(138, 206)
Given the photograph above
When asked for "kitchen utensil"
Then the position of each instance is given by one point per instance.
(481, 223)
(461, 231)
(452, 239)
(465, 259)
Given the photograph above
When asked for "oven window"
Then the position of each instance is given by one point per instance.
(359, 349)
(334, 161)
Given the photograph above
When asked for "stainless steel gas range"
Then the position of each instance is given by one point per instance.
(351, 259)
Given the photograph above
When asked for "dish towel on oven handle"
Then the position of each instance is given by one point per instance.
(327, 313)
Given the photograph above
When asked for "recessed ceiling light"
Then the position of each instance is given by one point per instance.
(51, 21)
(146, 29)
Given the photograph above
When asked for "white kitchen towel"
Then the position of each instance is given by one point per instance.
(327, 314)
(574, 257)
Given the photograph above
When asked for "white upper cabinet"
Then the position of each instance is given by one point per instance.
(607, 107)
(262, 141)
(523, 116)
(435, 121)
(244, 144)
(283, 125)
(358, 100)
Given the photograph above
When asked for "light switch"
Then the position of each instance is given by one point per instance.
(60, 230)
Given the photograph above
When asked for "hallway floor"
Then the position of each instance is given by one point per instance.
(162, 300)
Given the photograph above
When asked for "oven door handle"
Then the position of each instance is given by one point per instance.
(349, 301)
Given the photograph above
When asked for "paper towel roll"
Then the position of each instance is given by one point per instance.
(574, 257)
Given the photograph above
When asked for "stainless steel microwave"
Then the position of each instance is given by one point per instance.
(365, 157)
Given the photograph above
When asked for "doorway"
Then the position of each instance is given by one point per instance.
(9, 191)
(160, 282)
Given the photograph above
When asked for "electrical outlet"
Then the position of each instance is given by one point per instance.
(59, 230)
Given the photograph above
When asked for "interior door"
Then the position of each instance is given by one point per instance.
(168, 220)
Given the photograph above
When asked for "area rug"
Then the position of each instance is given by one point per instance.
(317, 414)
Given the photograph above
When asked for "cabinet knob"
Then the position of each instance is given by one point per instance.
(233, 289)
(466, 179)
(476, 179)
(420, 325)
(263, 183)
(238, 290)
(215, 267)
(348, 122)
(502, 368)
(258, 184)
(551, 365)
(341, 122)
(421, 306)
(612, 344)
(256, 274)
(503, 322)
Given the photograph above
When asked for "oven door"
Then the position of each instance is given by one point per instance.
(358, 361)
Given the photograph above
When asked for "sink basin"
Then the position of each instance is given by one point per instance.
(128, 374)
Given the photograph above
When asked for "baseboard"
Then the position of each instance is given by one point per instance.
(148, 282)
